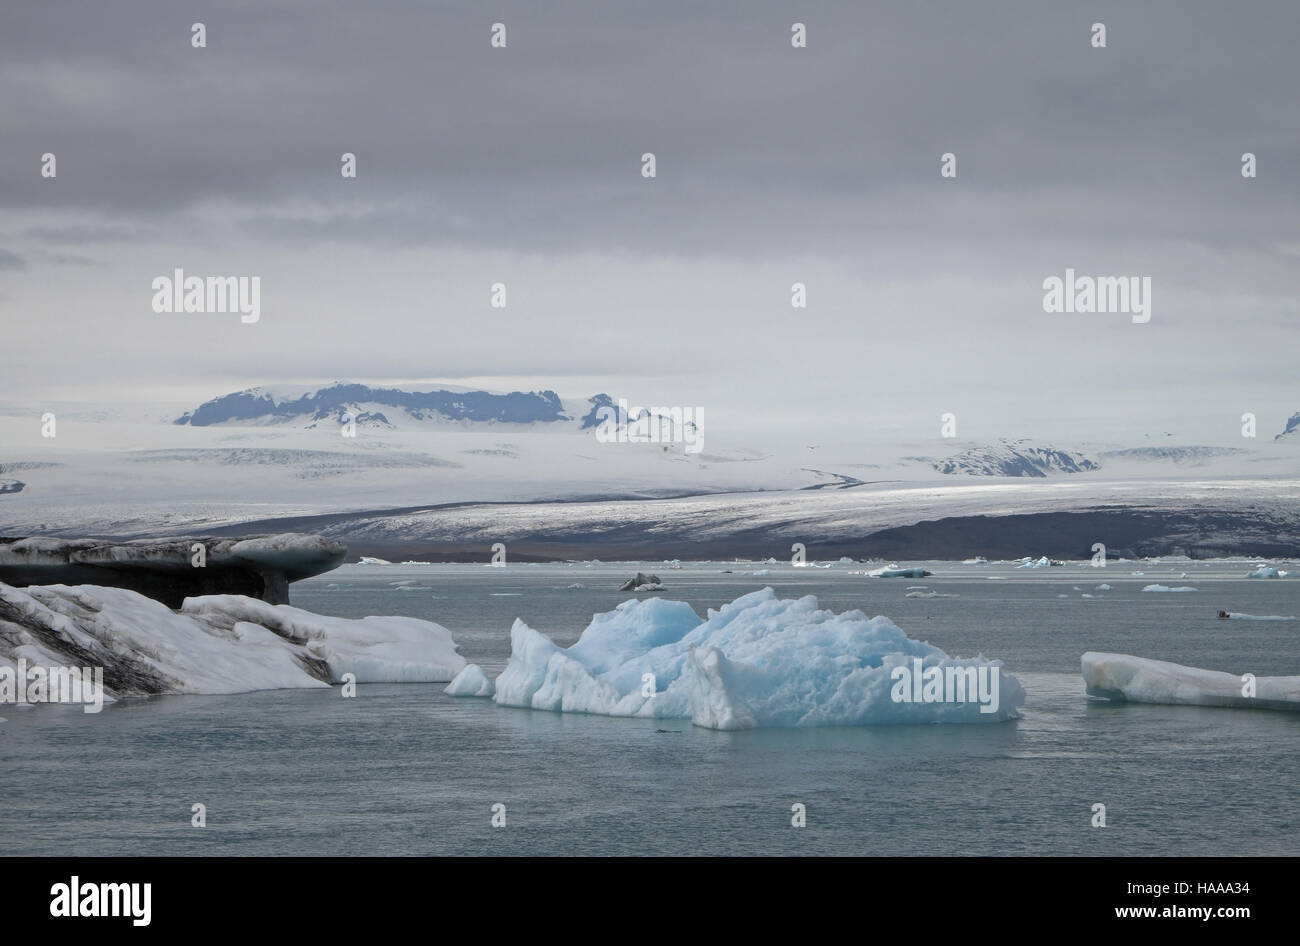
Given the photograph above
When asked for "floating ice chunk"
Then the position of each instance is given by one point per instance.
(1102, 587)
(375, 649)
(762, 573)
(369, 560)
(215, 643)
(977, 560)
(1141, 680)
(758, 661)
(1167, 588)
(893, 571)
(471, 681)
(1043, 562)
(642, 582)
(1269, 571)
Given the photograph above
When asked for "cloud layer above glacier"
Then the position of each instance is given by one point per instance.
(775, 165)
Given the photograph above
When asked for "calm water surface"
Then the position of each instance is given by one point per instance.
(405, 769)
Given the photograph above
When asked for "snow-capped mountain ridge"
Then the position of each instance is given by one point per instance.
(1016, 458)
(343, 401)
(1292, 429)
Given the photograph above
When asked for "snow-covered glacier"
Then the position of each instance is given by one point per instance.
(758, 661)
(214, 643)
(1142, 680)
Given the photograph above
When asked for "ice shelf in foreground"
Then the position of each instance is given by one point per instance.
(1141, 680)
(215, 643)
(758, 661)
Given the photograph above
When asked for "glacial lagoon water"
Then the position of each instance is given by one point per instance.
(407, 770)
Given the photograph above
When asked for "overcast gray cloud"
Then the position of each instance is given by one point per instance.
(775, 165)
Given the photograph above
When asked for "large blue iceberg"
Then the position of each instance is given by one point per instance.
(758, 661)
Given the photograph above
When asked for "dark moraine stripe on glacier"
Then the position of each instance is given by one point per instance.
(123, 672)
(1128, 532)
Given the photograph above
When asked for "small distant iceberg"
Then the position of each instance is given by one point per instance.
(1102, 587)
(642, 582)
(893, 571)
(977, 560)
(1043, 562)
(371, 560)
(1241, 616)
(1142, 680)
(1167, 588)
(1270, 571)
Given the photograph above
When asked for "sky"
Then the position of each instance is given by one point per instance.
(774, 165)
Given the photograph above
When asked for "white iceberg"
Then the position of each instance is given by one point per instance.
(1141, 680)
(1269, 571)
(1043, 562)
(471, 681)
(1167, 588)
(758, 661)
(215, 643)
(893, 571)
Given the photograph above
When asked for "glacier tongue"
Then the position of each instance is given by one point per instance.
(757, 661)
(1142, 680)
(214, 644)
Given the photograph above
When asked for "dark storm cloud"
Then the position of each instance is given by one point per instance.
(760, 147)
